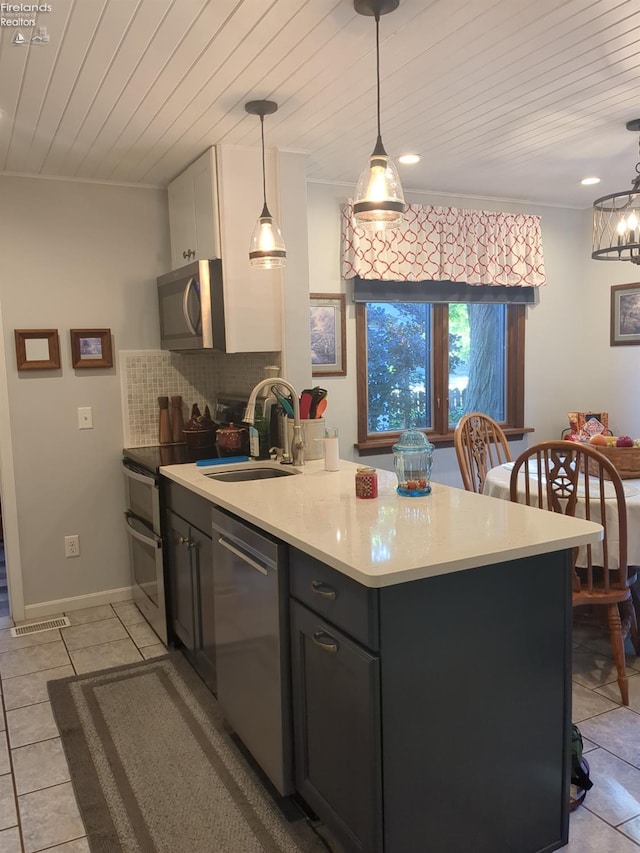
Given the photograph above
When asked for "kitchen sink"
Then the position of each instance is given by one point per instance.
(244, 474)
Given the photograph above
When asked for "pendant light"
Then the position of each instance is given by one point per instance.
(379, 200)
(616, 220)
(267, 249)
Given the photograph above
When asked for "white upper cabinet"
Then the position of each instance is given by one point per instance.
(193, 213)
(213, 208)
(252, 295)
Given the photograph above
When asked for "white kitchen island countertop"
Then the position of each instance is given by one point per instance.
(389, 539)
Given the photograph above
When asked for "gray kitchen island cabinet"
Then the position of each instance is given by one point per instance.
(190, 573)
(434, 715)
(431, 658)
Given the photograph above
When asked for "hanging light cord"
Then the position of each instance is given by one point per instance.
(378, 68)
(264, 180)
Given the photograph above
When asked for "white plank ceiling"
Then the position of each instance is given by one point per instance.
(502, 98)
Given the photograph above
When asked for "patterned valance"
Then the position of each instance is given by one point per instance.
(447, 244)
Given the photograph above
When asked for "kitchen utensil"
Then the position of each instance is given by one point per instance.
(284, 402)
(177, 420)
(164, 435)
(318, 395)
(320, 408)
(306, 400)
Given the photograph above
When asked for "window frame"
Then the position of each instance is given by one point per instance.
(440, 433)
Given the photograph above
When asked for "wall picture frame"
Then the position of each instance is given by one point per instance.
(328, 334)
(625, 314)
(37, 349)
(91, 348)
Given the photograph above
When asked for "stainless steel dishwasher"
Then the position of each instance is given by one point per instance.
(250, 575)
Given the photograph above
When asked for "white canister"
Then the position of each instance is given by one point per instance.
(331, 452)
(312, 431)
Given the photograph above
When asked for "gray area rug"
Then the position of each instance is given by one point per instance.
(153, 768)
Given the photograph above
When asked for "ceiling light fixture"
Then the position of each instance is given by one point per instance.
(379, 200)
(409, 159)
(266, 249)
(616, 220)
(588, 181)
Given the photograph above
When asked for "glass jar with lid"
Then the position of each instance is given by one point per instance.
(412, 459)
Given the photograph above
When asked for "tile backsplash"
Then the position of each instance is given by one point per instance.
(198, 377)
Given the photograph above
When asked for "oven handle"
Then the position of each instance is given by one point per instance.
(152, 539)
(148, 481)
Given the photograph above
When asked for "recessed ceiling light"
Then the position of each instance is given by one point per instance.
(409, 159)
(588, 181)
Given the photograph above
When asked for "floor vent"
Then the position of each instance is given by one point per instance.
(37, 627)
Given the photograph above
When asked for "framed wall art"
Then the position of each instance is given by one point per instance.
(625, 314)
(91, 348)
(37, 349)
(328, 334)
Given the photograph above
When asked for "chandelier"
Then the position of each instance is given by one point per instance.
(616, 220)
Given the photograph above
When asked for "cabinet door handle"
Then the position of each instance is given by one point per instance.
(325, 641)
(324, 590)
(244, 557)
(188, 254)
(182, 540)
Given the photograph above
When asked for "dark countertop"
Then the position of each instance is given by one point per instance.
(151, 458)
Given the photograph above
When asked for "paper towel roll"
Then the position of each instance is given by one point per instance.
(331, 454)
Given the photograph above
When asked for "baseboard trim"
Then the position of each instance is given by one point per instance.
(77, 602)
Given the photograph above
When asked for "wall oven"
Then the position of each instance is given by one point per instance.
(142, 489)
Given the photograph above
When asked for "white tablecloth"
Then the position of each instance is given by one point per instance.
(496, 485)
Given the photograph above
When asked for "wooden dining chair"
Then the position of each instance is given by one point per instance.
(480, 444)
(575, 479)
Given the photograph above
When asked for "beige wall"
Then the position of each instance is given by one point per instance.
(78, 255)
(614, 371)
(569, 364)
(74, 255)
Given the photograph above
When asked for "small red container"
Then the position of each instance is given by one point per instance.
(366, 483)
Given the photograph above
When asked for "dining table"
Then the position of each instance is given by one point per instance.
(497, 485)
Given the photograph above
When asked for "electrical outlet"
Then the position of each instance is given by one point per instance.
(72, 546)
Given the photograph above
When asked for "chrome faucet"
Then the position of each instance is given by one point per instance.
(294, 454)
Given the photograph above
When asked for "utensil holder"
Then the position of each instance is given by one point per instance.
(312, 430)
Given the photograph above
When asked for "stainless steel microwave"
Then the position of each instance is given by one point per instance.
(191, 306)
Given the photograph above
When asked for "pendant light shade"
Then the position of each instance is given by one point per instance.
(266, 249)
(616, 221)
(379, 200)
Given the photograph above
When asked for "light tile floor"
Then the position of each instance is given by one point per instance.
(38, 809)
(37, 806)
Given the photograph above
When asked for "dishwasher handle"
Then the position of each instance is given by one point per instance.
(244, 557)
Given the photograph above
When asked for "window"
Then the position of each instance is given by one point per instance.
(424, 364)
